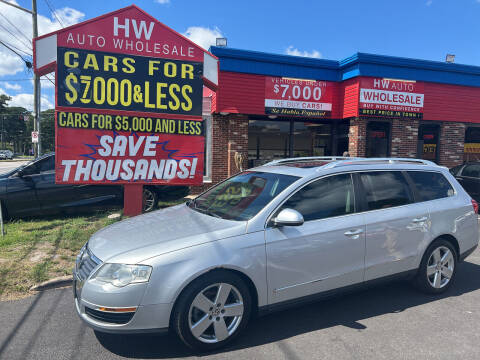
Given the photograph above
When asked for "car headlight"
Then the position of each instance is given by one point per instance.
(121, 275)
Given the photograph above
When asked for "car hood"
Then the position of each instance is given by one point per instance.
(141, 237)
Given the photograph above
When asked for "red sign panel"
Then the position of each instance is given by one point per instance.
(298, 97)
(152, 150)
(391, 98)
(128, 103)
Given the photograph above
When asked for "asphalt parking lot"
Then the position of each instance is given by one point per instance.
(6, 166)
(393, 321)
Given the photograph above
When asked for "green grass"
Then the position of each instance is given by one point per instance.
(39, 249)
(35, 250)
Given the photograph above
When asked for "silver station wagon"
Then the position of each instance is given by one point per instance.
(290, 231)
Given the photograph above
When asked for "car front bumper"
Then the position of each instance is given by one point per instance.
(91, 296)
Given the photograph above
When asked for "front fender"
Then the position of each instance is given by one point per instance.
(172, 272)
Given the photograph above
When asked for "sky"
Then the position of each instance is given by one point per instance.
(334, 29)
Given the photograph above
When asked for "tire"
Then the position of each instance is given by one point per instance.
(436, 277)
(149, 200)
(215, 328)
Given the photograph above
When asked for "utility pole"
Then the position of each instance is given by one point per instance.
(36, 79)
(36, 86)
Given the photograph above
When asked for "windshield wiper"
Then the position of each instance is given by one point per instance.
(211, 213)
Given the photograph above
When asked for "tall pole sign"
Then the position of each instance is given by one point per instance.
(128, 102)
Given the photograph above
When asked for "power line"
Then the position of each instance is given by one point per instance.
(19, 31)
(30, 79)
(54, 13)
(15, 36)
(28, 63)
(16, 48)
(50, 80)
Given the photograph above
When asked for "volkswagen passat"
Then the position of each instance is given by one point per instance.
(278, 234)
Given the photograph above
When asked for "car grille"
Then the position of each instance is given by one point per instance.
(86, 262)
(108, 317)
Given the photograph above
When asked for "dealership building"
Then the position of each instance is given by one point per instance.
(270, 106)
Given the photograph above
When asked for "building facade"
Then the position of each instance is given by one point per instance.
(270, 106)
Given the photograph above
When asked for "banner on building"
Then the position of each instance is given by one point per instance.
(472, 148)
(298, 97)
(391, 98)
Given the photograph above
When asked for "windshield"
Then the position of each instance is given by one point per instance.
(243, 196)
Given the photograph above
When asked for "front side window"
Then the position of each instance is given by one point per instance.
(431, 185)
(242, 196)
(385, 189)
(324, 198)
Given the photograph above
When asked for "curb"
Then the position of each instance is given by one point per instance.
(53, 283)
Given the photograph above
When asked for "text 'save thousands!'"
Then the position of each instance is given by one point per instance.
(113, 123)
(148, 152)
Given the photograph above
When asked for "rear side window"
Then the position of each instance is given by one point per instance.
(47, 164)
(431, 185)
(385, 189)
(324, 198)
(472, 171)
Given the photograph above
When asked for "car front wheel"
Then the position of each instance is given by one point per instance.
(438, 267)
(212, 311)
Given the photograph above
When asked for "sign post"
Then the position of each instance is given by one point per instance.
(128, 103)
(35, 137)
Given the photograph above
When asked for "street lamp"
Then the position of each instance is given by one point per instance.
(221, 42)
(450, 58)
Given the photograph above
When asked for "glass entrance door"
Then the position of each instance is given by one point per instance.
(427, 146)
(378, 139)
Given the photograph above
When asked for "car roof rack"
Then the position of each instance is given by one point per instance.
(307, 158)
(372, 161)
(335, 161)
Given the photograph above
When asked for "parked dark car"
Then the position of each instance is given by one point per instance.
(468, 175)
(31, 190)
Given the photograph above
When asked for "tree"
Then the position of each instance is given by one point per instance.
(47, 130)
(14, 128)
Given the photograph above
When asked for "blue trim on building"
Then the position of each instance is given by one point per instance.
(359, 64)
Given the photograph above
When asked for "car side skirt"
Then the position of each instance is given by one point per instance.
(266, 309)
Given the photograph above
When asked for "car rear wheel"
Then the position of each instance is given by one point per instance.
(150, 200)
(212, 311)
(438, 267)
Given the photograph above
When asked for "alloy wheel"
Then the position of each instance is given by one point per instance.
(215, 313)
(148, 200)
(440, 267)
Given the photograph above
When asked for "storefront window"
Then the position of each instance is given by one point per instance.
(311, 139)
(427, 147)
(278, 139)
(472, 144)
(378, 135)
(267, 140)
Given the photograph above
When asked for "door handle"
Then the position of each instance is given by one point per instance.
(419, 220)
(353, 233)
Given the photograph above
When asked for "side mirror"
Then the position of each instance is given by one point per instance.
(288, 217)
(26, 171)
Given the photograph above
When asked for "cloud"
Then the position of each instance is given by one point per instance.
(12, 86)
(430, 2)
(10, 63)
(26, 101)
(202, 36)
(162, 1)
(295, 52)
